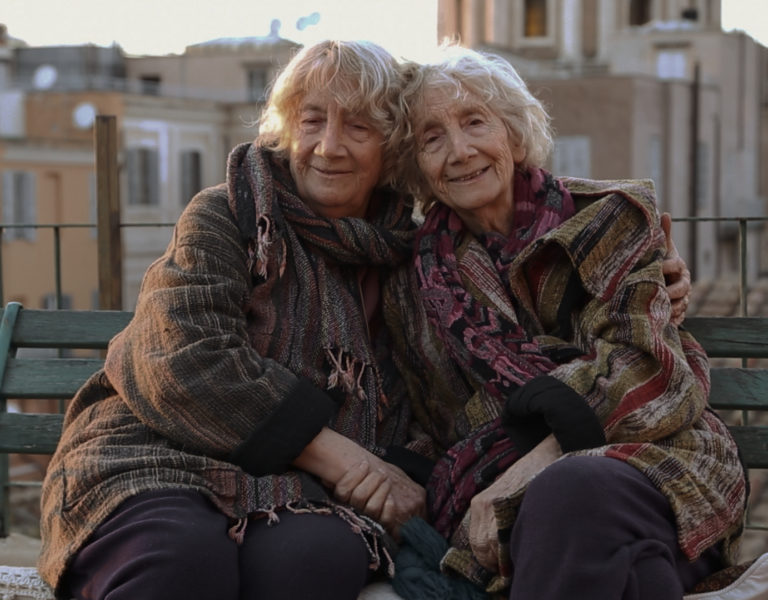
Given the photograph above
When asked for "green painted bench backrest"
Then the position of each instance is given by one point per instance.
(50, 372)
(743, 388)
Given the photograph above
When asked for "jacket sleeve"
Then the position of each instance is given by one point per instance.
(185, 367)
(634, 373)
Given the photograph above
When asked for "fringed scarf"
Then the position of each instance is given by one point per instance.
(312, 264)
(487, 339)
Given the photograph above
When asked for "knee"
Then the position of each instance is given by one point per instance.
(171, 544)
(305, 542)
(574, 487)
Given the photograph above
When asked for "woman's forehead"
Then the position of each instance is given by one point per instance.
(324, 98)
(448, 99)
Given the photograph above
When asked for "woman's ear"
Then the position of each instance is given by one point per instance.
(517, 148)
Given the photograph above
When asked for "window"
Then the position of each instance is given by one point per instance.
(535, 18)
(150, 85)
(639, 12)
(257, 84)
(142, 169)
(671, 64)
(19, 204)
(191, 177)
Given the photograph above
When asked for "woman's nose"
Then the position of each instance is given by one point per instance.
(460, 148)
(331, 142)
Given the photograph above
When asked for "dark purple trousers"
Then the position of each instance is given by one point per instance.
(174, 545)
(594, 528)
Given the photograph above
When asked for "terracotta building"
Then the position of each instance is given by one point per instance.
(177, 117)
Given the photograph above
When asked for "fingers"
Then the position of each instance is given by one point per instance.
(666, 225)
(676, 275)
(382, 492)
(346, 486)
(679, 289)
(483, 537)
(377, 505)
(679, 308)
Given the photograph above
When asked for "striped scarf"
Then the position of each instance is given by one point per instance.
(487, 338)
(312, 264)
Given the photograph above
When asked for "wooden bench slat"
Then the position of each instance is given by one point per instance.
(739, 388)
(67, 328)
(723, 337)
(23, 375)
(47, 377)
(753, 444)
(29, 433)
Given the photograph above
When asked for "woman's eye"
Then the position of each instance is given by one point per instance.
(430, 142)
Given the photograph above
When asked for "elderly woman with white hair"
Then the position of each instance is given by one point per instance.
(580, 458)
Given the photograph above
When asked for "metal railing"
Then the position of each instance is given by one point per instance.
(56, 229)
(741, 222)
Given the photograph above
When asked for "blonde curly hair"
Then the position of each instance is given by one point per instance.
(361, 76)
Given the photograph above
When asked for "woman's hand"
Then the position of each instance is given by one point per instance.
(676, 274)
(483, 529)
(383, 492)
(361, 479)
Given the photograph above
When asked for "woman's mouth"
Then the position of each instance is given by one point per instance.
(468, 176)
(329, 172)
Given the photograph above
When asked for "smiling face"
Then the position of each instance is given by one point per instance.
(335, 158)
(467, 157)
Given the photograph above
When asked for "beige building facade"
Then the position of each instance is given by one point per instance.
(637, 89)
(644, 89)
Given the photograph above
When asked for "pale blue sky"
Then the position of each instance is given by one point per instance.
(405, 27)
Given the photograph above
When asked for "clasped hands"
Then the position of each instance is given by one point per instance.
(381, 491)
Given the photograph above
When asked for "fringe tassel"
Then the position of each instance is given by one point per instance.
(237, 531)
(361, 524)
(343, 374)
(257, 247)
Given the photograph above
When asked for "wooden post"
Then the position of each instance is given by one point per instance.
(108, 200)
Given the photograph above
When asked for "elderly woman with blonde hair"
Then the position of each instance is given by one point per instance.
(580, 458)
(208, 459)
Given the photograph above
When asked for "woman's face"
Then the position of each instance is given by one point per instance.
(335, 158)
(468, 158)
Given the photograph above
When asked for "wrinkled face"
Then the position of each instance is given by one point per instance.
(335, 158)
(468, 157)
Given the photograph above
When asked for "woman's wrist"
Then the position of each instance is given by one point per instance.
(329, 455)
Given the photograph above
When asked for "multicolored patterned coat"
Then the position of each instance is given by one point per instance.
(647, 382)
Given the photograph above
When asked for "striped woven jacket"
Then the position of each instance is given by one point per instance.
(193, 396)
(647, 382)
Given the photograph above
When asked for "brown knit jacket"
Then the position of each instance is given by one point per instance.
(186, 401)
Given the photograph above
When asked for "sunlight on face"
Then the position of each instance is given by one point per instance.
(468, 158)
(336, 158)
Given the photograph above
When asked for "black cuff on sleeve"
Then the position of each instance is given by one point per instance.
(284, 434)
(544, 405)
(416, 466)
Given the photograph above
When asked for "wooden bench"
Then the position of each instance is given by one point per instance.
(38, 360)
(58, 374)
